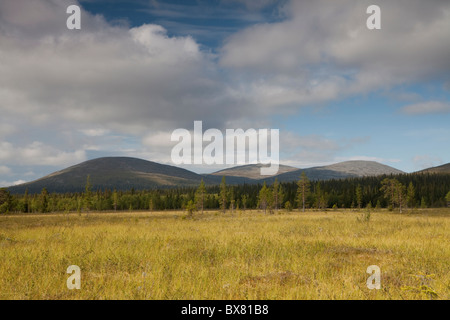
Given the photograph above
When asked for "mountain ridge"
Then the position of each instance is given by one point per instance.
(111, 172)
(445, 168)
(125, 173)
(251, 171)
(341, 170)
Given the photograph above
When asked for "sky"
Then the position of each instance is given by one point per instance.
(137, 70)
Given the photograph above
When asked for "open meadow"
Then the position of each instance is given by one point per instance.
(244, 255)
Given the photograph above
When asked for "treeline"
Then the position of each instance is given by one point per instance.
(393, 192)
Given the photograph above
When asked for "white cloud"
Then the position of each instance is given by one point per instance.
(324, 50)
(94, 132)
(15, 183)
(429, 107)
(131, 80)
(37, 153)
(98, 88)
(4, 184)
(160, 139)
(126, 80)
(91, 90)
(162, 48)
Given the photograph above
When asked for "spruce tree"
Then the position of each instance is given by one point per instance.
(200, 195)
(264, 198)
(223, 195)
(359, 196)
(88, 194)
(302, 190)
(411, 195)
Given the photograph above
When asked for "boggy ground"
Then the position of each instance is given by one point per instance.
(244, 255)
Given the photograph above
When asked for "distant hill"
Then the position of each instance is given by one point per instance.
(123, 173)
(445, 168)
(318, 173)
(362, 168)
(342, 170)
(347, 169)
(113, 172)
(251, 171)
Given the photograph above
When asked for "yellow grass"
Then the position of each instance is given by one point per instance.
(145, 255)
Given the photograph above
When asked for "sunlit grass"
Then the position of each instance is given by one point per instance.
(164, 255)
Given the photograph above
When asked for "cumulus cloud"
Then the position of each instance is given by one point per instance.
(37, 153)
(94, 88)
(324, 51)
(127, 80)
(141, 79)
(5, 183)
(158, 140)
(94, 132)
(65, 92)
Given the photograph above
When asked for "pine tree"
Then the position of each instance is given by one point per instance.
(411, 195)
(191, 208)
(388, 187)
(115, 199)
(321, 197)
(88, 194)
(303, 190)
(423, 203)
(264, 198)
(44, 200)
(447, 197)
(223, 195)
(26, 202)
(288, 206)
(232, 199)
(378, 206)
(359, 196)
(151, 205)
(200, 196)
(5, 200)
(244, 199)
(277, 194)
(400, 192)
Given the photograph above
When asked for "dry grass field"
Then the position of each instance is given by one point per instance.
(245, 255)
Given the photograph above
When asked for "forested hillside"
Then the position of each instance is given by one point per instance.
(395, 191)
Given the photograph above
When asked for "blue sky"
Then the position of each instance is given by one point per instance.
(209, 22)
(137, 70)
